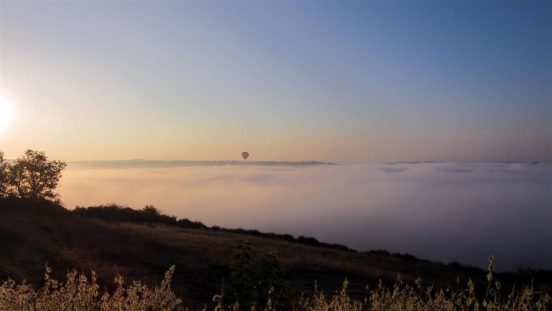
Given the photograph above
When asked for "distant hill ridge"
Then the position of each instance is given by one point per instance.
(184, 163)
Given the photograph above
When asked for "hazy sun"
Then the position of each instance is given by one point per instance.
(6, 112)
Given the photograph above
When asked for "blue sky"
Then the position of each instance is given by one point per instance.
(337, 81)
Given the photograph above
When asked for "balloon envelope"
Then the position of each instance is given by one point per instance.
(245, 155)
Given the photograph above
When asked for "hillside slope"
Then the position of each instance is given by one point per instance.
(35, 233)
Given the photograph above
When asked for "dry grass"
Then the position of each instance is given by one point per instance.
(404, 296)
(80, 292)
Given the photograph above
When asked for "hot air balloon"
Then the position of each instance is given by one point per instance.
(245, 155)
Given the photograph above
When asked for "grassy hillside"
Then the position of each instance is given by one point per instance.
(143, 245)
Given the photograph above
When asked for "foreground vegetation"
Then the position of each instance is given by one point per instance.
(81, 292)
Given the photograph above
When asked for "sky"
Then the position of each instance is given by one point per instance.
(356, 81)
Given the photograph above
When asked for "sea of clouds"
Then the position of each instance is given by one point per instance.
(439, 211)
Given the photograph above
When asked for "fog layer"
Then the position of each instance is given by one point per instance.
(440, 211)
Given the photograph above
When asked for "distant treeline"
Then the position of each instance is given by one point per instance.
(150, 215)
(185, 163)
(147, 215)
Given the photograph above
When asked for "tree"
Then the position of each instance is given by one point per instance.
(4, 177)
(243, 275)
(33, 176)
(150, 210)
(270, 280)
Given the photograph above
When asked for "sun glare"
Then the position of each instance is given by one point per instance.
(6, 112)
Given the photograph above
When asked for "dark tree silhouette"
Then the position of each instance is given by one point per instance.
(4, 180)
(243, 275)
(269, 280)
(151, 210)
(33, 176)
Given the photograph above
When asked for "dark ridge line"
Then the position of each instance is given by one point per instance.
(185, 163)
(150, 215)
(471, 162)
(118, 213)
